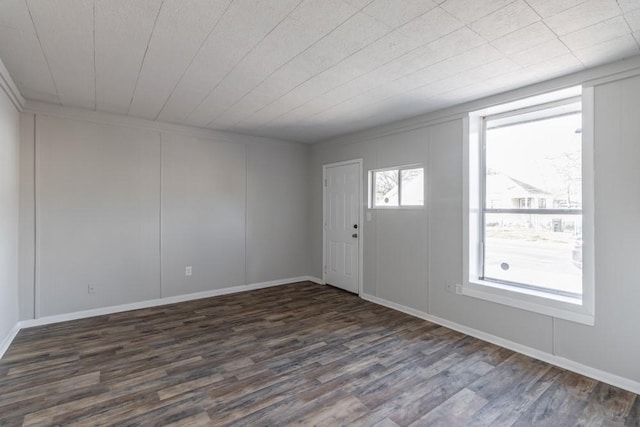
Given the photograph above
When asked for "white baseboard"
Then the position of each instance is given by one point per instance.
(47, 320)
(570, 365)
(9, 339)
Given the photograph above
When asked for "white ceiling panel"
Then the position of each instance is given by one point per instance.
(358, 4)
(23, 52)
(629, 5)
(397, 12)
(633, 19)
(621, 47)
(554, 67)
(540, 53)
(372, 56)
(304, 70)
(431, 53)
(583, 15)
(471, 77)
(15, 14)
(546, 8)
(122, 31)
(510, 18)
(306, 25)
(447, 46)
(438, 21)
(470, 11)
(390, 48)
(180, 29)
(65, 31)
(524, 38)
(458, 64)
(354, 34)
(240, 30)
(596, 34)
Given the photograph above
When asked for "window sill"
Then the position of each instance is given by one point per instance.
(386, 208)
(549, 304)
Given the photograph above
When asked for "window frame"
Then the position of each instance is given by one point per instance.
(399, 169)
(511, 118)
(581, 310)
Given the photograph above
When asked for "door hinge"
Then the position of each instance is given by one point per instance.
(325, 269)
(325, 183)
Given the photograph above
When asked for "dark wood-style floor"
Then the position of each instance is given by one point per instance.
(296, 354)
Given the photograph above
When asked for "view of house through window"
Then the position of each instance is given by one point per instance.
(532, 218)
(398, 187)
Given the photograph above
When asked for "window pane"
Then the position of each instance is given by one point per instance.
(535, 164)
(412, 187)
(386, 188)
(542, 251)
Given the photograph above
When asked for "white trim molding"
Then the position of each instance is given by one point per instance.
(9, 87)
(47, 320)
(4, 346)
(570, 365)
(315, 280)
(45, 108)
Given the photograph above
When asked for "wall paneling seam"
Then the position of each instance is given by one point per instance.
(35, 222)
(160, 216)
(246, 212)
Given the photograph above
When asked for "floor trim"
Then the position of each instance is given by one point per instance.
(48, 320)
(570, 365)
(9, 339)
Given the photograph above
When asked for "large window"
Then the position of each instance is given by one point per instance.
(530, 184)
(397, 187)
(532, 211)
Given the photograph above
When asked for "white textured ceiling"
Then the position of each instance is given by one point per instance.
(303, 70)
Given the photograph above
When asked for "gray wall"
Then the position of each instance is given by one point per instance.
(9, 151)
(203, 214)
(433, 258)
(614, 340)
(97, 216)
(277, 211)
(126, 208)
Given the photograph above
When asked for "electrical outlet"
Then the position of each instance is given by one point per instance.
(91, 288)
(188, 270)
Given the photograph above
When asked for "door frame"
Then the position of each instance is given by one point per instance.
(360, 218)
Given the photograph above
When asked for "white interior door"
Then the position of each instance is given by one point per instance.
(342, 225)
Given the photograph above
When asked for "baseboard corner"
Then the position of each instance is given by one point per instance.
(314, 280)
(9, 339)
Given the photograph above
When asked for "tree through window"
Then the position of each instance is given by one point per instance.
(398, 187)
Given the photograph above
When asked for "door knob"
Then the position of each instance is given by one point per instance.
(354, 235)
(355, 226)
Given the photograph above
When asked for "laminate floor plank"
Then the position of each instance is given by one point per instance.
(299, 354)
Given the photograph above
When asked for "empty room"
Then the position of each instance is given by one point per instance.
(319, 212)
